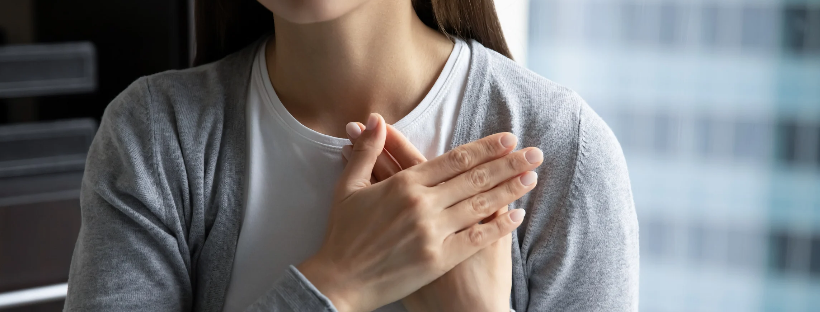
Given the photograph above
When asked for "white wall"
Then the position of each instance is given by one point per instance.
(513, 15)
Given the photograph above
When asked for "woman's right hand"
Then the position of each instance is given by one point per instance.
(385, 241)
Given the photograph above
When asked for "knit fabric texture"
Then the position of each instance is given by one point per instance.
(162, 196)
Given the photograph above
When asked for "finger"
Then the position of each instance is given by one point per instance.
(464, 244)
(401, 149)
(463, 158)
(496, 214)
(354, 130)
(363, 155)
(486, 176)
(385, 166)
(485, 205)
(346, 153)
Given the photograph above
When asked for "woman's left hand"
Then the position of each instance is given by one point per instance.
(480, 283)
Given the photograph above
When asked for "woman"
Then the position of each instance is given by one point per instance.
(228, 186)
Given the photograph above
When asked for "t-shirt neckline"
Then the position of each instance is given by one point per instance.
(272, 102)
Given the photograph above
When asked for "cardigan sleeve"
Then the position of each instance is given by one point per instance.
(127, 257)
(589, 261)
(132, 252)
(292, 292)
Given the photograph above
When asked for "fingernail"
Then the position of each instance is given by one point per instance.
(517, 215)
(534, 155)
(508, 140)
(529, 178)
(346, 151)
(372, 121)
(353, 130)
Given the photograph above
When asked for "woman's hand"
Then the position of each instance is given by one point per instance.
(480, 283)
(387, 240)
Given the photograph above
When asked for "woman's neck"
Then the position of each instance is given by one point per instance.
(378, 58)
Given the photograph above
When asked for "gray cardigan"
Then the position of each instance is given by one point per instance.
(162, 195)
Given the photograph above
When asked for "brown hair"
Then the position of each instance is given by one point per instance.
(226, 26)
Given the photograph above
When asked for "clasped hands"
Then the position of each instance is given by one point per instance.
(434, 234)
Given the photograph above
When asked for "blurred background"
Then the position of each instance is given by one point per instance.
(61, 63)
(716, 105)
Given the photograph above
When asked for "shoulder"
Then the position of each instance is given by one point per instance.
(190, 93)
(168, 129)
(581, 219)
(182, 117)
(544, 113)
(518, 86)
(178, 117)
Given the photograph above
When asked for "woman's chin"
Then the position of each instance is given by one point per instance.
(309, 11)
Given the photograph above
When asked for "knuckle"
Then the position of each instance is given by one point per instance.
(479, 177)
(490, 147)
(514, 163)
(363, 145)
(424, 231)
(430, 256)
(415, 162)
(359, 183)
(501, 226)
(460, 159)
(479, 204)
(402, 180)
(512, 189)
(415, 200)
(476, 236)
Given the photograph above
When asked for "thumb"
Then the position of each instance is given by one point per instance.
(363, 155)
(401, 149)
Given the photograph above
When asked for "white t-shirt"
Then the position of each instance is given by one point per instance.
(292, 171)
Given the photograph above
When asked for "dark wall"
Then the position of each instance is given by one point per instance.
(40, 211)
(133, 38)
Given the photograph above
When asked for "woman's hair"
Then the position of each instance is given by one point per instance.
(226, 26)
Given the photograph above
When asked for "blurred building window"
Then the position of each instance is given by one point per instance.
(716, 105)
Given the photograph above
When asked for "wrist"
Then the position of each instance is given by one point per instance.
(329, 282)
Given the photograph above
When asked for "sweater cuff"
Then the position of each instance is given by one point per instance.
(293, 292)
(310, 291)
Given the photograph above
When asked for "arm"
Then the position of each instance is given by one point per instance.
(126, 257)
(132, 252)
(584, 254)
